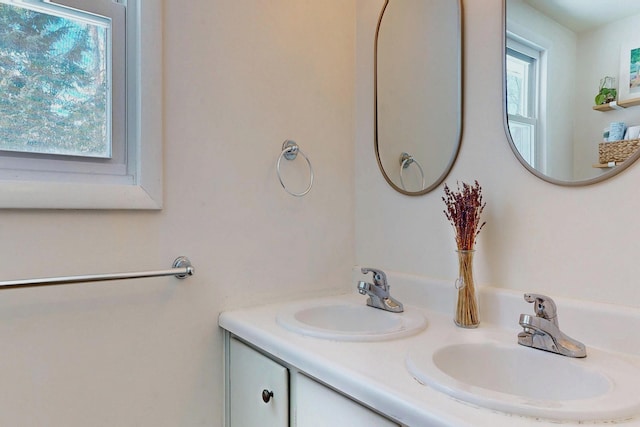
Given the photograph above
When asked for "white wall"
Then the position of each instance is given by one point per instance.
(575, 242)
(240, 78)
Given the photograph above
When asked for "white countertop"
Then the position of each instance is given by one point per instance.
(374, 373)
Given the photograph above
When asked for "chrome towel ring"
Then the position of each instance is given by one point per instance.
(406, 160)
(290, 150)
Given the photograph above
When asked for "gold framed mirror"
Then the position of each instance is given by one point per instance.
(418, 92)
(561, 57)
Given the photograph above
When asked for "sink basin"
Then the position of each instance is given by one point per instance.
(507, 377)
(344, 321)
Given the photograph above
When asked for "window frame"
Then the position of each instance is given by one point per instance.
(522, 51)
(139, 185)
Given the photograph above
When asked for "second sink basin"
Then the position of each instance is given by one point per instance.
(345, 321)
(507, 377)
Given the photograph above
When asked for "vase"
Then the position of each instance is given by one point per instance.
(466, 315)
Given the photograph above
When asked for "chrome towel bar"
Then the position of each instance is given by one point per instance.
(181, 268)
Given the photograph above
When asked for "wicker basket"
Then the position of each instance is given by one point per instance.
(617, 151)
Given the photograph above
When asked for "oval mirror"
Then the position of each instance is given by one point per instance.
(571, 87)
(417, 92)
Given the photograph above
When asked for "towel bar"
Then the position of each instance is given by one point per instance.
(181, 268)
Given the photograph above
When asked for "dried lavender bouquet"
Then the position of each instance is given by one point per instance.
(463, 209)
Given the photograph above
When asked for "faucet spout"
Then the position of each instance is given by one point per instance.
(542, 332)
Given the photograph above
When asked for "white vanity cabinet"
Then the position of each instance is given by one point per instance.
(319, 406)
(258, 389)
(262, 392)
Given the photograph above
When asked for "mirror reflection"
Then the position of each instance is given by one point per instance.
(572, 98)
(418, 92)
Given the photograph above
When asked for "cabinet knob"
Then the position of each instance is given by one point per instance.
(266, 395)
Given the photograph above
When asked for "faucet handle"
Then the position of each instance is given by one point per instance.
(379, 277)
(544, 307)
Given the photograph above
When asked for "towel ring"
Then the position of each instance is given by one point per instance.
(290, 151)
(406, 160)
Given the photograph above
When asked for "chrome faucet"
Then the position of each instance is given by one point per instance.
(378, 292)
(542, 331)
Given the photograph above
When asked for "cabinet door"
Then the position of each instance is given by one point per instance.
(250, 375)
(319, 406)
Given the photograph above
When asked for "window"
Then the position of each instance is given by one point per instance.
(56, 79)
(523, 98)
(72, 132)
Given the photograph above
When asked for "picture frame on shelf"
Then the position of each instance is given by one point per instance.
(629, 82)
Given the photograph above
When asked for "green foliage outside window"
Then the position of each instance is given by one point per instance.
(54, 85)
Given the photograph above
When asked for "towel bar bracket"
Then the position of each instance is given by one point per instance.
(183, 262)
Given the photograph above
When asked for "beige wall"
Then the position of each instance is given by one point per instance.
(240, 78)
(576, 242)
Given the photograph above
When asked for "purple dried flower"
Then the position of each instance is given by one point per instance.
(463, 210)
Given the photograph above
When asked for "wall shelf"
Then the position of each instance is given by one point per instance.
(606, 165)
(617, 105)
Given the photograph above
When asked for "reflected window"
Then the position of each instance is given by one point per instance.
(523, 98)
